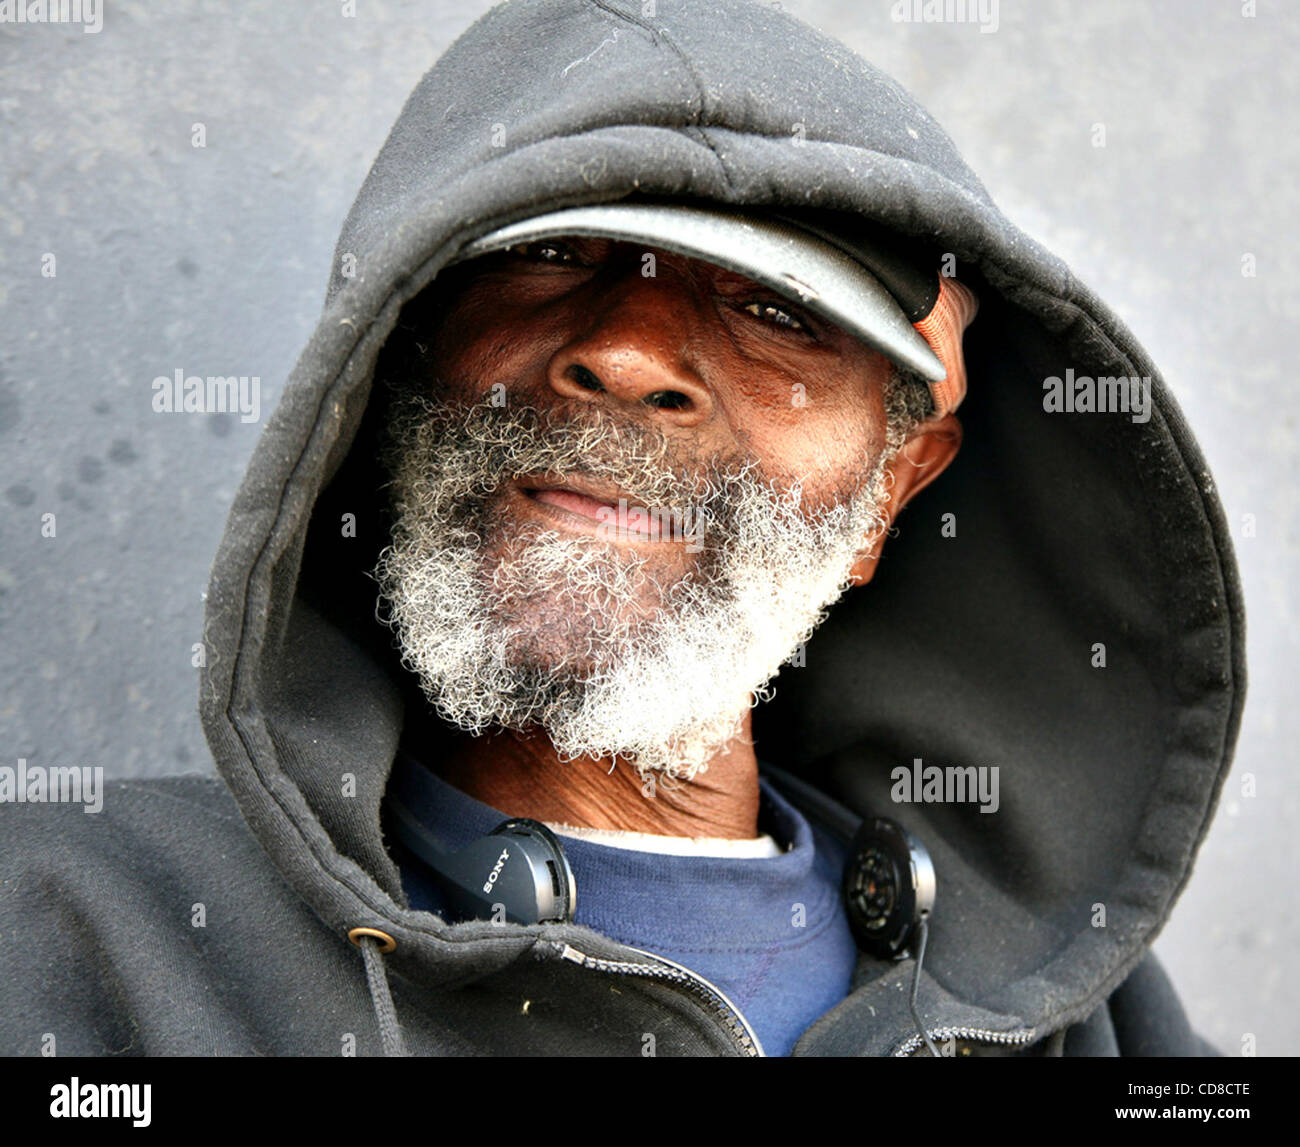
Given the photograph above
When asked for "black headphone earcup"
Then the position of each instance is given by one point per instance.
(889, 886)
(517, 874)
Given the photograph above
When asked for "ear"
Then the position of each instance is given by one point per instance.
(924, 456)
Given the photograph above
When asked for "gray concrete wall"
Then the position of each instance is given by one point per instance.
(215, 260)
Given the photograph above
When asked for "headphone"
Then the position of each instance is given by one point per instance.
(889, 885)
(519, 872)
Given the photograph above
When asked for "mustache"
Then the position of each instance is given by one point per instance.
(470, 450)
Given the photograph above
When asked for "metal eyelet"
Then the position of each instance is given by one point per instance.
(387, 942)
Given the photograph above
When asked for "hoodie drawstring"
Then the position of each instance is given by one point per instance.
(373, 943)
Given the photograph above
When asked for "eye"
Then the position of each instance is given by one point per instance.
(779, 315)
(545, 251)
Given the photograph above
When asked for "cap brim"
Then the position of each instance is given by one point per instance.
(792, 262)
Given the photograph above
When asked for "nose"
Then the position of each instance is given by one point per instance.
(634, 351)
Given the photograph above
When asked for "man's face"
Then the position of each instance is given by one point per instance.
(718, 363)
(624, 498)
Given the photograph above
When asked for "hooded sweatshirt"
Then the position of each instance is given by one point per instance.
(1062, 604)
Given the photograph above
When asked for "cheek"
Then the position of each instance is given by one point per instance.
(819, 437)
(480, 342)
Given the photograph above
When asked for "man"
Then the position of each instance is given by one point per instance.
(737, 462)
(632, 357)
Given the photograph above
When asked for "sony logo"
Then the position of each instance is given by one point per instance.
(501, 863)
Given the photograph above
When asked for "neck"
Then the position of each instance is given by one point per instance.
(522, 775)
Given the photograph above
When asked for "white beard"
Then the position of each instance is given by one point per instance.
(617, 664)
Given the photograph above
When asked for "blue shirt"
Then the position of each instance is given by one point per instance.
(769, 932)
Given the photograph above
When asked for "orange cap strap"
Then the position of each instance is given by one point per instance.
(943, 328)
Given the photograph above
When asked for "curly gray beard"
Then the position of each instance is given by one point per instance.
(615, 651)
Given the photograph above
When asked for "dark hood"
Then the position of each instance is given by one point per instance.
(1072, 530)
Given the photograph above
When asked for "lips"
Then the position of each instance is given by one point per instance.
(609, 509)
(574, 502)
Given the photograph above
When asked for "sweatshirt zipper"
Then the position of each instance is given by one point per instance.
(669, 972)
(938, 1035)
